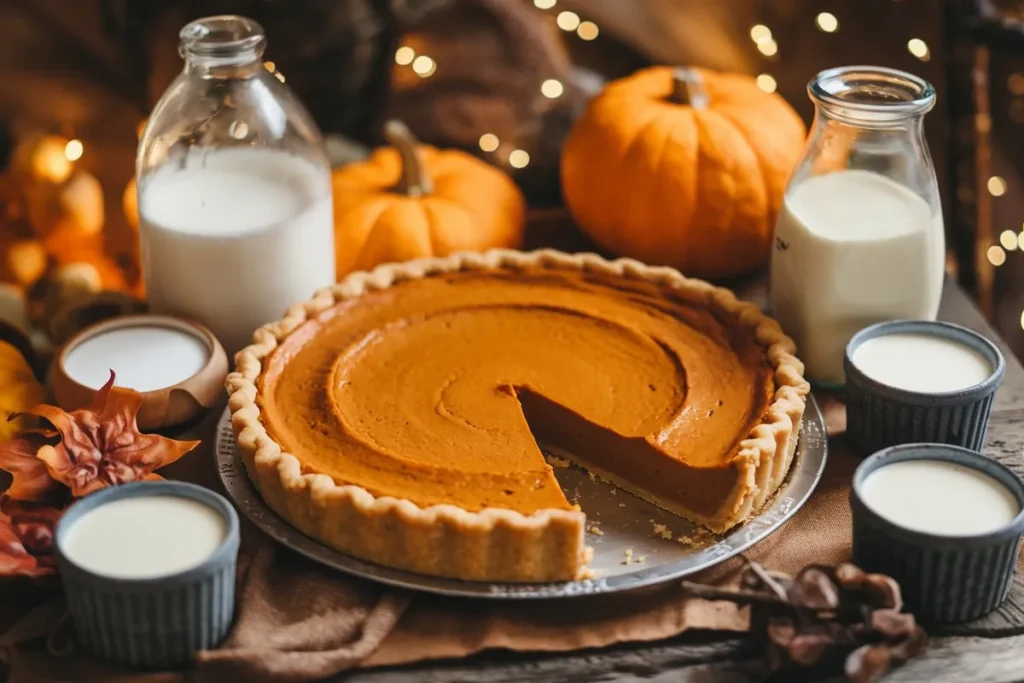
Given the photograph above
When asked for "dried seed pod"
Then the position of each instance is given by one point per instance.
(910, 647)
(868, 663)
(892, 624)
(813, 588)
(809, 648)
(882, 591)
(849, 576)
(781, 631)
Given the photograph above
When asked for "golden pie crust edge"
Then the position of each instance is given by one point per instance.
(492, 544)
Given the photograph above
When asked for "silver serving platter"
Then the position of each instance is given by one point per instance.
(635, 543)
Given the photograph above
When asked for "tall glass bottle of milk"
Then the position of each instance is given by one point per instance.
(859, 238)
(233, 187)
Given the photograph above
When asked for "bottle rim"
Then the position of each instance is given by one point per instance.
(221, 35)
(872, 93)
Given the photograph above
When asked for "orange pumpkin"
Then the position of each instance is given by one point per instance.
(682, 167)
(410, 200)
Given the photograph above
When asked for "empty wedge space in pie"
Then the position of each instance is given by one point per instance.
(396, 417)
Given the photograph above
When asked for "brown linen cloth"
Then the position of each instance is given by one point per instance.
(298, 621)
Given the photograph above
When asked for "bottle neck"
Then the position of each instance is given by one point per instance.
(222, 46)
(871, 97)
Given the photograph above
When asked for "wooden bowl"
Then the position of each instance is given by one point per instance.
(161, 407)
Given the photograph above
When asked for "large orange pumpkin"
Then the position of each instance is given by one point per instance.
(682, 167)
(410, 200)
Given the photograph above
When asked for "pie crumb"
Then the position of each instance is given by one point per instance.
(663, 531)
(641, 559)
(593, 477)
(622, 505)
(556, 461)
(629, 556)
(688, 541)
(595, 530)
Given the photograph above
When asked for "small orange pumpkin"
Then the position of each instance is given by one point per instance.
(410, 200)
(682, 167)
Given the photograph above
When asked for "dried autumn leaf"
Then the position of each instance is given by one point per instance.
(30, 478)
(26, 538)
(101, 445)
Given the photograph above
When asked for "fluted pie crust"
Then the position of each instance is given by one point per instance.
(498, 543)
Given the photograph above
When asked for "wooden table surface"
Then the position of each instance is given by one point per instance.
(990, 650)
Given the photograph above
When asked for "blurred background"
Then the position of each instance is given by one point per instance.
(502, 79)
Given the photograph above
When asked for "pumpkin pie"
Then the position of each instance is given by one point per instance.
(396, 416)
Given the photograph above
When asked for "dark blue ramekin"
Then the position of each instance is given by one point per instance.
(879, 416)
(944, 579)
(157, 622)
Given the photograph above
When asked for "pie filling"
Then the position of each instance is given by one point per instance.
(436, 390)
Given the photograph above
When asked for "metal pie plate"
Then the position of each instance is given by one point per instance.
(636, 545)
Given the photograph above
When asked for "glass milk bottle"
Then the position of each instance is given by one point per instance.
(233, 187)
(859, 238)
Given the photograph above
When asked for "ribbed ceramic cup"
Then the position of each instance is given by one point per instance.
(879, 416)
(944, 579)
(152, 622)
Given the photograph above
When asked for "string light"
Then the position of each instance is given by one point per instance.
(544, 4)
(489, 142)
(768, 47)
(919, 49)
(404, 55)
(1015, 83)
(73, 150)
(518, 158)
(767, 83)
(551, 88)
(587, 30)
(827, 22)
(568, 21)
(269, 66)
(1022, 320)
(424, 66)
(280, 76)
(996, 186)
(996, 255)
(759, 33)
(1008, 238)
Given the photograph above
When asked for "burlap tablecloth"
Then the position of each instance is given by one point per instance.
(298, 621)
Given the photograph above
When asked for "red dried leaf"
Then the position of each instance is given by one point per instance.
(30, 478)
(26, 538)
(101, 445)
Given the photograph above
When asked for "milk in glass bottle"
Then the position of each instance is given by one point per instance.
(859, 238)
(233, 187)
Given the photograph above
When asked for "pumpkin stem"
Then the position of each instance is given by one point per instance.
(688, 88)
(414, 181)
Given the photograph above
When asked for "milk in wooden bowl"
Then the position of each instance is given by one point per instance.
(177, 365)
(913, 381)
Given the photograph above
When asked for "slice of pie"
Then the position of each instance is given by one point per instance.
(396, 416)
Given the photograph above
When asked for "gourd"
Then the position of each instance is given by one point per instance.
(410, 200)
(682, 167)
